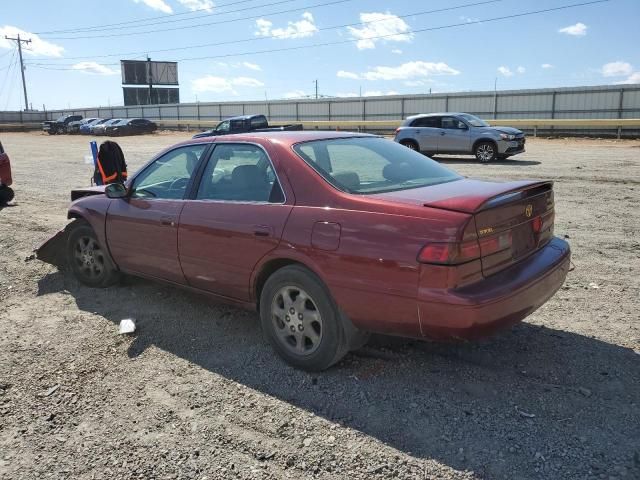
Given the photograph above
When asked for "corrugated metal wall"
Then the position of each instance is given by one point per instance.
(618, 101)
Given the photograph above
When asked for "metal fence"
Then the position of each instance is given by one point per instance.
(598, 102)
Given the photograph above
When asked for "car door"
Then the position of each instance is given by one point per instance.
(236, 217)
(142, 228)
(427, 133)
(454, 136)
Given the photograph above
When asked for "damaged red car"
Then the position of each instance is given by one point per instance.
(330, 236)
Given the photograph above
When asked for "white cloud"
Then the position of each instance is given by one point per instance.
(300, 29)
(521, 69)
(397, 51)
(577, 30)
(546, 66)
(194, 5)
(37, 46)
(406, 71)
(295, 94)
(210, 83)
(344, 74)
(386, 25)
(95, 68)
(252, 66)
(378, 93)
(633, 78)
(616, 69)
(159, 5)
(506, 71)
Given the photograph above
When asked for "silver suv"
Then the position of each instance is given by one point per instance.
(459, 133)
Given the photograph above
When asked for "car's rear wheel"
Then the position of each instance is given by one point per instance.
(6, 194)
(301, 321)
(89, 262)
(411, 144)
(485, 152)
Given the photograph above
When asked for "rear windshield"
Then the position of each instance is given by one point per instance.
(372, 165)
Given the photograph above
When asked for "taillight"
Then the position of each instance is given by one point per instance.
(449, 253)
(397, 130)
(496, 243)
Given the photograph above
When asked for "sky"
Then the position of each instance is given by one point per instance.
(239, 50)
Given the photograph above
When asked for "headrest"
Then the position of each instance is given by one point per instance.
(247, 176)
(398, 172)
(351, 180)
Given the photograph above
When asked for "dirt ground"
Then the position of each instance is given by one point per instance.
(197, 393)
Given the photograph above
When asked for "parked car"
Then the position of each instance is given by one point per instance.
(101, 128)
(85, 128)
(245, 124)
(459, 133)
(54, 127)
(131, 126)
(328, 235)
(74, 127)
(6, 192)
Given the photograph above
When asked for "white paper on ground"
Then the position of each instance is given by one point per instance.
(127, 326)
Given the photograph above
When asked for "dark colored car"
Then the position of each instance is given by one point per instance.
(85, 128)
(74, 127)
(328, 235)
(246, 124)
(131, 126)
(60, 125)
(6, 192)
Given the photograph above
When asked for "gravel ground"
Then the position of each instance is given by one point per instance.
(196, 392)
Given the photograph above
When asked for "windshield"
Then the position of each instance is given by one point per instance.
(473, 120)
(367, 165)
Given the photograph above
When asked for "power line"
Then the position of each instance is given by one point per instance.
(342, 42)
(271, 37)
(89, 28)
(20, 41)
(101, 29)
(164, 30)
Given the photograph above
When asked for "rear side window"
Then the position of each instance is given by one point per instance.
(259, 122)
(431, 122)
(371, 165)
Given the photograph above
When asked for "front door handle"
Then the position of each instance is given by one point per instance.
(262, 230)
(443, 132)
(168, 221)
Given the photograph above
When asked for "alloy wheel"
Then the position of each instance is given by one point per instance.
(485, 152)
(89, 257)
(297, 321)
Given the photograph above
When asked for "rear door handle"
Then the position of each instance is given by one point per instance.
(262, 230)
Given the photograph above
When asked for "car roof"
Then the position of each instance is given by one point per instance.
(440, 114)
(280, 137)
(243, 117)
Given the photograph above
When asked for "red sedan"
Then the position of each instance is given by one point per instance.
(329, 236)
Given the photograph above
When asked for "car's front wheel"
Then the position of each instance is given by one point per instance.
(301, 321)
(485, 152)
(89, 262)
(6, 194)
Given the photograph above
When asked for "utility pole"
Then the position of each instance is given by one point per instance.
(316, 82)
(149, 78)
(20, 41)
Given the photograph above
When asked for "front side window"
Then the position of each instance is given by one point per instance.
(223, 126)
(169, 175)
(453, 123)
(367, 165)
(239, 173)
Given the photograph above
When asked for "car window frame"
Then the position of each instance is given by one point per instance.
(190, 185)
(437, 118)
(205, 162)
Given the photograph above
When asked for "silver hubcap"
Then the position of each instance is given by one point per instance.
(485, 152)
(296, 321)
(88, 257)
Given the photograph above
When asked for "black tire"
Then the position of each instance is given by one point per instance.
(485, 151)
(51, 132)
(6, 194)
(411, 144)
(90, 263)
(336, 334)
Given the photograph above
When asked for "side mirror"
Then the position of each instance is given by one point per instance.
(115, 190)
(462, 126)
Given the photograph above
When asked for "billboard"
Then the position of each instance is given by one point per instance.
(140, 72)
(150, 96)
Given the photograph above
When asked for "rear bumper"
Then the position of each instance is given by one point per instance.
(498, 301)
